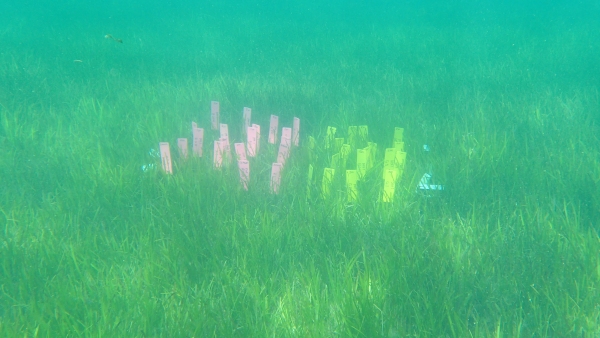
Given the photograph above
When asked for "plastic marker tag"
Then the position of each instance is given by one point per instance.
(218, 155)
(351, 185)
(372, 153)
(182, 144)
(339, 142)
(389, 160)
(225, 151)
(336, 160)
(198, 140)
(257, 127)
(252, 140)
(224, 132)
(244, 168)
(389, 185)
(362, 161)
(363, 133)
(330, 137)
(276, 177)
(273, 129)
(328, 174)
(312, 143)
(398, 135)
(296, 132)
(400, 161)
(165, 157)
(240, 151)
(352, 135)
(214, 115)
(284, 146)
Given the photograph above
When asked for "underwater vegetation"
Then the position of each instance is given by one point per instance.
(506, 120)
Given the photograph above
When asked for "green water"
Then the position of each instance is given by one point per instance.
(505, 96)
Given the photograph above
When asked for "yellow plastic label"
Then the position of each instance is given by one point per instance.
(351, 185)
(398, 135)
(328, 174)
(389, 185)
(330, 137)
(362, 161)
(352, 135)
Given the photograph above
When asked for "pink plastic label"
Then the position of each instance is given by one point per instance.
(273, 129)
(214, 115)
(182, 144)
(257, 127)
(276, 177)
(218, 155)
(281, 154)
(198, 141)
(165, 157)
(286, 136)
(252, 140)
(225, 150)
(240, 151)
(284, 147)
(244, 167)
(296, 132)
(224, 132)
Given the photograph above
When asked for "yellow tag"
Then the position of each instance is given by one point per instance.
(398, 135)
(311, 143)
(351, 185)
(362, 161)
(339, 142)
(328, 174)
(389, 185)
(400, 161)
(363, 133)
(330, 137)
(352, 135)
(335, 160)
(372, 153)
(345, 151)
(389, 160)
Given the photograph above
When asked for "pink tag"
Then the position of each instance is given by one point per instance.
(296, 131)
(224, 131)
(198, 134)
(286, 136)
(182, 143)
(251, 141)
(225, 150)
(284, 146)
(281, 154)
(240, 151)
(165, 157)
(247, 117)
(273, 129)
(225, 145)
(276, 177)
(214, 114)
(218, 155)
(244, 167)
(257, 127)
